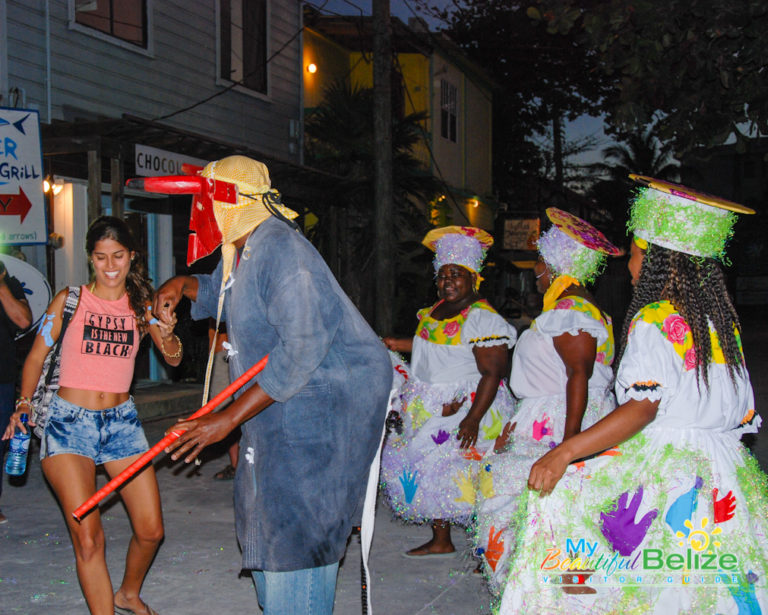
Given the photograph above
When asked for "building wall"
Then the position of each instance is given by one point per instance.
(93, 78)
(478, 137)
(465, 164)
(332, 61)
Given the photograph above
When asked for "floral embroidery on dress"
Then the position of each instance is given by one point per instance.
(665, 317)
(448, 331)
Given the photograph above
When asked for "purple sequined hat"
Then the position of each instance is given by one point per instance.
(459, 245)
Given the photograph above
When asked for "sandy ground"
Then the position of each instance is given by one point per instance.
(197, 570)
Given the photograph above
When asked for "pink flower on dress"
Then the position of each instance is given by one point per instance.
(424, 334)
(451, 328)
(675, 328)
(600, 358)
(565, 304)
(690, 359)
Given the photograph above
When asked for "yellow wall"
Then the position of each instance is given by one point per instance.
(332, 62)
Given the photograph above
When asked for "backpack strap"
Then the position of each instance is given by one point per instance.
(73, 299)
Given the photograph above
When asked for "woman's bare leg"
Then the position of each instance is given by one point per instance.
(142, 500)
(73, 479)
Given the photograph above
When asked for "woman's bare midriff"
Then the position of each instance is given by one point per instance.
(92, 400)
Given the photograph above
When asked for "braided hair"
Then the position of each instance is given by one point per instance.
(138, 284)
(696, 287)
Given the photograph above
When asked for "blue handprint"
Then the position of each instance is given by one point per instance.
(619, 527)
(408, 481)
(744, 594)
(682, 508)
(44, 329)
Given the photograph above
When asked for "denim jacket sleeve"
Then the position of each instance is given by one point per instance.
(305, 313)
(207, 302)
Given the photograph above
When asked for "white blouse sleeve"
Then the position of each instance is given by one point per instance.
(556, 322)
(650, 366)
(486, 328)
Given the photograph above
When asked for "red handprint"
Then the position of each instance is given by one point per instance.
(723, 508)
(495, 548)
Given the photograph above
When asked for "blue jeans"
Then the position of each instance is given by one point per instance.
(300, 592)
(7, 393)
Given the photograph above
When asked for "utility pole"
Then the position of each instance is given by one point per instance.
(384, 249)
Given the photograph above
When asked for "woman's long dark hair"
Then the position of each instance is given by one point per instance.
(696, 287)
(137, 284)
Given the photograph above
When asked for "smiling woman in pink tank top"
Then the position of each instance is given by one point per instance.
(92, 419)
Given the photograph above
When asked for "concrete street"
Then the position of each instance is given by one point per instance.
(197, 570)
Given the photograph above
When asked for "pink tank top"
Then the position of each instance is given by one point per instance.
(99, 348)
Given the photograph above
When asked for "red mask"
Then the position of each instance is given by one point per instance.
(205, 236)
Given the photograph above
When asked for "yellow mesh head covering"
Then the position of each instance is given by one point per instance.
(255, 199)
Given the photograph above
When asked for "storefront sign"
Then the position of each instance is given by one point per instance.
(22, 207)
(154, 162)
(521, 233)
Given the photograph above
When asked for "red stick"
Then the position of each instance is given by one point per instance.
(137, 465)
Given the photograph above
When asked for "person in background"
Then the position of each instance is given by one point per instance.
(14, 315)
(219, 381)
(456, 403)
(675, 513)
(561, 376)
(92, 419)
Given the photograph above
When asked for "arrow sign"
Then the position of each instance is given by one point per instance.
(15, 204)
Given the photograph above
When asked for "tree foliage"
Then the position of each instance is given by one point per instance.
(641, 153)
(340, 141)
(696, 69)
(540, 78)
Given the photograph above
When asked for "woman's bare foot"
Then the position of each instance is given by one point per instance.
(135, 605)
(432, 548)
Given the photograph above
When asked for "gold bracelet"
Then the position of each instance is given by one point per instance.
(176, 354)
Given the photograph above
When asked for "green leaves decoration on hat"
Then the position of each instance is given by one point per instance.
(685, 226)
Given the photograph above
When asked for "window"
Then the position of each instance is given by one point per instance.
(448, 102)
(243, 52)
(123, 19)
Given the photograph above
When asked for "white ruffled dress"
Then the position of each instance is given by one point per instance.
(425, 475)
(538, 380)
(674, 520)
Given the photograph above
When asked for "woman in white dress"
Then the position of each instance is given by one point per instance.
(674, 519)
(561, 376)
(455, 404)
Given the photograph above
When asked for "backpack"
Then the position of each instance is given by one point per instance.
(48, 383)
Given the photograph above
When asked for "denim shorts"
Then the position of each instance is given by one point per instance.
(102, 435)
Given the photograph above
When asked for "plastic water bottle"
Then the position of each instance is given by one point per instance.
(16, 461)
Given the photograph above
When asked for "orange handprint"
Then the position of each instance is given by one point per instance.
(495, 548)
(471, 453)
(723, 508)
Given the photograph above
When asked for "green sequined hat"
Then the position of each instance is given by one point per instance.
(681, 219)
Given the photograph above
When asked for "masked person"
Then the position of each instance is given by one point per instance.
(672, 520)
(312, 419)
